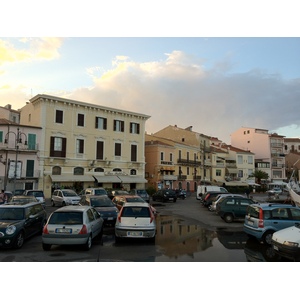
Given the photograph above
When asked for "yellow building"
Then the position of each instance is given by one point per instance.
(86, 144)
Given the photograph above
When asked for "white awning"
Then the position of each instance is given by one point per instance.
(232, 171)
(107, 179)
(72, 178)
(132, 179)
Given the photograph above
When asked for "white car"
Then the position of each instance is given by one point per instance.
(275, 191)
(65, 197)
(135, 220)
(286, 242)
(72, 225)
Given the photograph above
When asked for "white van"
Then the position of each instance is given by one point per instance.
(202, 189)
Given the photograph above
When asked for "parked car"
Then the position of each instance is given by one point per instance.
(232, 208)
(103, 205)
(119, 201)
(135, 220)
(165, 195)
(274, 191)
(38, 194)
(286, 242)
(141, 193)
(22, 199)
(19, 192)
(262, 220)
(72, 225)
(112, 194)
(203, 189)
(209, 197)
(93, 191)
(19, 222)
(181, 194)
(64, 197)
(215, 201)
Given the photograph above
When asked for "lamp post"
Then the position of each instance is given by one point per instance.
(18, 140)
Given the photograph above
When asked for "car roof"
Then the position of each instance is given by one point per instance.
(71, 208)
(20, 205)
(272, 205)
(97, 196)
(141, 204)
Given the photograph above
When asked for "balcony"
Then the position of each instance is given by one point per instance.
(168, 177)
(188, 162)
(168, 163)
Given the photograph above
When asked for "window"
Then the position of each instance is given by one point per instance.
(240, 159)
(171, 156)
(188, 155)
(101, 123)
(79, 146)
(31, 141)
(218, 172)
(59, 116)
(80, 120)
(1, 136)
(100, 170)
(132, 172)
(188, 171)
(240, 174)
(118, 125)
(133, 152)
(134, 128)
(179, 154)
(30, 168)
(161, 156)
(117, 149)
(58, 146)
(78, 171)
(56, 170)
(100, 150)
(250, 160)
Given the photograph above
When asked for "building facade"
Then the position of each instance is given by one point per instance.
(86, 145)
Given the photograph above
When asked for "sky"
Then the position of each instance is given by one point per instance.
(214, 83)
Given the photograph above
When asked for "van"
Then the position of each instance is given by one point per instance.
(203, 189)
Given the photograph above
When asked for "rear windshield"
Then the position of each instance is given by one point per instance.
(36, 193)
(106, 202)
(71, 218)
(253, 211)
(69, 193)
(132, 212)
(100, 192)
(137, 199)
(11, 213)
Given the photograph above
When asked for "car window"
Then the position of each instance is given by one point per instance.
(100, 192)
(11, 214)
(280, 213)
(69, 193)
(229, 201)
(96, 214)
(295, 213)
(141, 212)
(71, 218)
(245, 202)
(90, 215)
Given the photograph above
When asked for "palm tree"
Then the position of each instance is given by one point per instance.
(259, 175)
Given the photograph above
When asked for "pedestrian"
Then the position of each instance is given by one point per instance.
(2, 197)
(247, 192)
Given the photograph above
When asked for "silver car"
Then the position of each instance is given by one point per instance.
(135, 220)
(72, 225)
(65, 197)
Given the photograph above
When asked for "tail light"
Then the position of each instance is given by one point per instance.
(119, 215)
(83, 230)
(151, 216)
(45, 230)
(207, 196)
(261, 218)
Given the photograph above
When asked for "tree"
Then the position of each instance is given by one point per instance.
(259, 175)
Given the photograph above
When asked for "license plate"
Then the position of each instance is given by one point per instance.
(134, 233)
(250, 222)
(110, 218)
(171, 198)
(63, 230)
(275, 247)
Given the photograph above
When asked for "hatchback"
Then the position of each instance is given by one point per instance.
(19, 222)
(135, 220)
(103, 205)
(165, 195)
(38, 194)
(72, 225)
(22, 199)
(64, 197)
(231, 208)
(262, 220)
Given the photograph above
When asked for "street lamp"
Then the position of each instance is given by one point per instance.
(18, 140)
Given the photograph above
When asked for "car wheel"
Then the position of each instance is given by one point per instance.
(228, 218)
(52, 203)
(46, 247)
(19, 240)
(64, 203)
(88, 244)
(174, 200)
(267, 237)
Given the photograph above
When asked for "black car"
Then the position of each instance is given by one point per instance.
(180, 193)
(165, 195)
(19, 222)
(103, 205)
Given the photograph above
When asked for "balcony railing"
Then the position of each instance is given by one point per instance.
(188, 162)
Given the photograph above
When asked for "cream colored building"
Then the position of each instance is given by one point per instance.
(86, 144)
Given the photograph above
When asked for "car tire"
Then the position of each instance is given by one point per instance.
(267, 237)
(64, 203)
(88, 244)
(19, 240)
(46, 247)
(228, 218)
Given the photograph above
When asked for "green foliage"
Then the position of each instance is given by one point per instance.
(259, 175)
(151, 190)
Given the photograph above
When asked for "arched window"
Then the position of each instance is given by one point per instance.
(78, 171)
(56, 170)
(99, 170)
(132, 172)
(117, 170)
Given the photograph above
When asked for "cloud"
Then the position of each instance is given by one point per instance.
(29, 49)
(181, 91)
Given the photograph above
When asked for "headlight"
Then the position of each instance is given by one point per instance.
(290, 244)
(10, 230)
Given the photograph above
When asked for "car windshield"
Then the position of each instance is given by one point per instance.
(36, 193)
(100, 192)
(134, 212)
(69, 193)
(68, 218)
(106, 202)
(141, 192)
(11, 214)
(135, 199)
